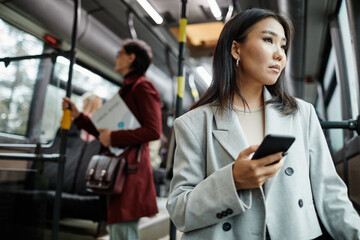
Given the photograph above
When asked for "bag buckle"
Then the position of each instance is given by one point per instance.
(103, 174)
(91, 172)
(90, 175)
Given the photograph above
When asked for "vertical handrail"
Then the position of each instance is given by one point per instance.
(181, 84)
(181, 59)
(65, 125)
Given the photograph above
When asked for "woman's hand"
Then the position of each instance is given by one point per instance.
(249, 173)
(105, 136)
(68, 104)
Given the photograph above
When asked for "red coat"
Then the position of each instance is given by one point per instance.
(138, 198)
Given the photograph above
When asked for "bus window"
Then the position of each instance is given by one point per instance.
(17, 80)
(332, 102)
(350, 59)
(339, 84)
(83, 81)
(333, 114)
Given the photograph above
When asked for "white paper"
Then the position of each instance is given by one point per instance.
(115, 115)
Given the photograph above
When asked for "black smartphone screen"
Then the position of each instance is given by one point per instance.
(273, 143)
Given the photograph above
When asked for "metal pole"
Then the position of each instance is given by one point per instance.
(181, 83)
(181, 59)
(65, 125)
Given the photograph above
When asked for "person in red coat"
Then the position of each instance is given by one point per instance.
(138, 198)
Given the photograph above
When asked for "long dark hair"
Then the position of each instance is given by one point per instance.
(223, 87)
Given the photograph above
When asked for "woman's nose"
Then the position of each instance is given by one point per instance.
(279, 53)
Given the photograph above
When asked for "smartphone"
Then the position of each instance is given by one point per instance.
(273, 143)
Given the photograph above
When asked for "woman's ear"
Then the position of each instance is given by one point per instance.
(235, 50)
(132, 57)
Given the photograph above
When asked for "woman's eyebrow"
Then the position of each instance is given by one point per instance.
(273, 34)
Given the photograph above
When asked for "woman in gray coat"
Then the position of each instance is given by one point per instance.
(217, 191)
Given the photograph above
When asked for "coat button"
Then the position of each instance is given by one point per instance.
(289, 171)
(226, 226)
(301, 203)
(229, 211)
(219, 215)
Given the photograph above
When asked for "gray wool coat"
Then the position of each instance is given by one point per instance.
(204, 203)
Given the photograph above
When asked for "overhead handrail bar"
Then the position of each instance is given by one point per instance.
(53, 55)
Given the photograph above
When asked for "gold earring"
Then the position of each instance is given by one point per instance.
(237, 62)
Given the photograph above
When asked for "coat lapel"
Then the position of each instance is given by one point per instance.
(275, 123)
(231, 136)
(229, 132)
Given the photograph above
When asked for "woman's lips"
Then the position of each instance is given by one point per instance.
(275, 68)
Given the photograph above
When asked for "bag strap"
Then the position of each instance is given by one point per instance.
(132, 168)
(138, 157)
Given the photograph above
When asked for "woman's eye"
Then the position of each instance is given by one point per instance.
(268, 40)
(284, 47)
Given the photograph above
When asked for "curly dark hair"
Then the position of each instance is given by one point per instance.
(143, 53)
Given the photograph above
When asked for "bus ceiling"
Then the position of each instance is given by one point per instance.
(103, 25)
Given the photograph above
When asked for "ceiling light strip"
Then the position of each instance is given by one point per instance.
(151, 11)
(214, 7)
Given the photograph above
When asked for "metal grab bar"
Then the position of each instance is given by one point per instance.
(352, 125)
(54, 157)
(53, 55)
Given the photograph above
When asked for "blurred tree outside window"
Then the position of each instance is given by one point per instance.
(18, 79)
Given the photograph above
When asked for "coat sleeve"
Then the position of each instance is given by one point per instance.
(84, 122)
(330, 193)
(148, 100)
(195, 202)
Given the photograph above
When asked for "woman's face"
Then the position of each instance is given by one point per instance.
(262, 56)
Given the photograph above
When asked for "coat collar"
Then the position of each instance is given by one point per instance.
(131, 78)
(231, 136)
(229, 132)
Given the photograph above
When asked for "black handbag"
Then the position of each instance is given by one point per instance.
(107, 174)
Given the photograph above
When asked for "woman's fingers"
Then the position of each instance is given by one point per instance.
(68, 104)
(270, 159)
(248, 151)
(253, 173)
